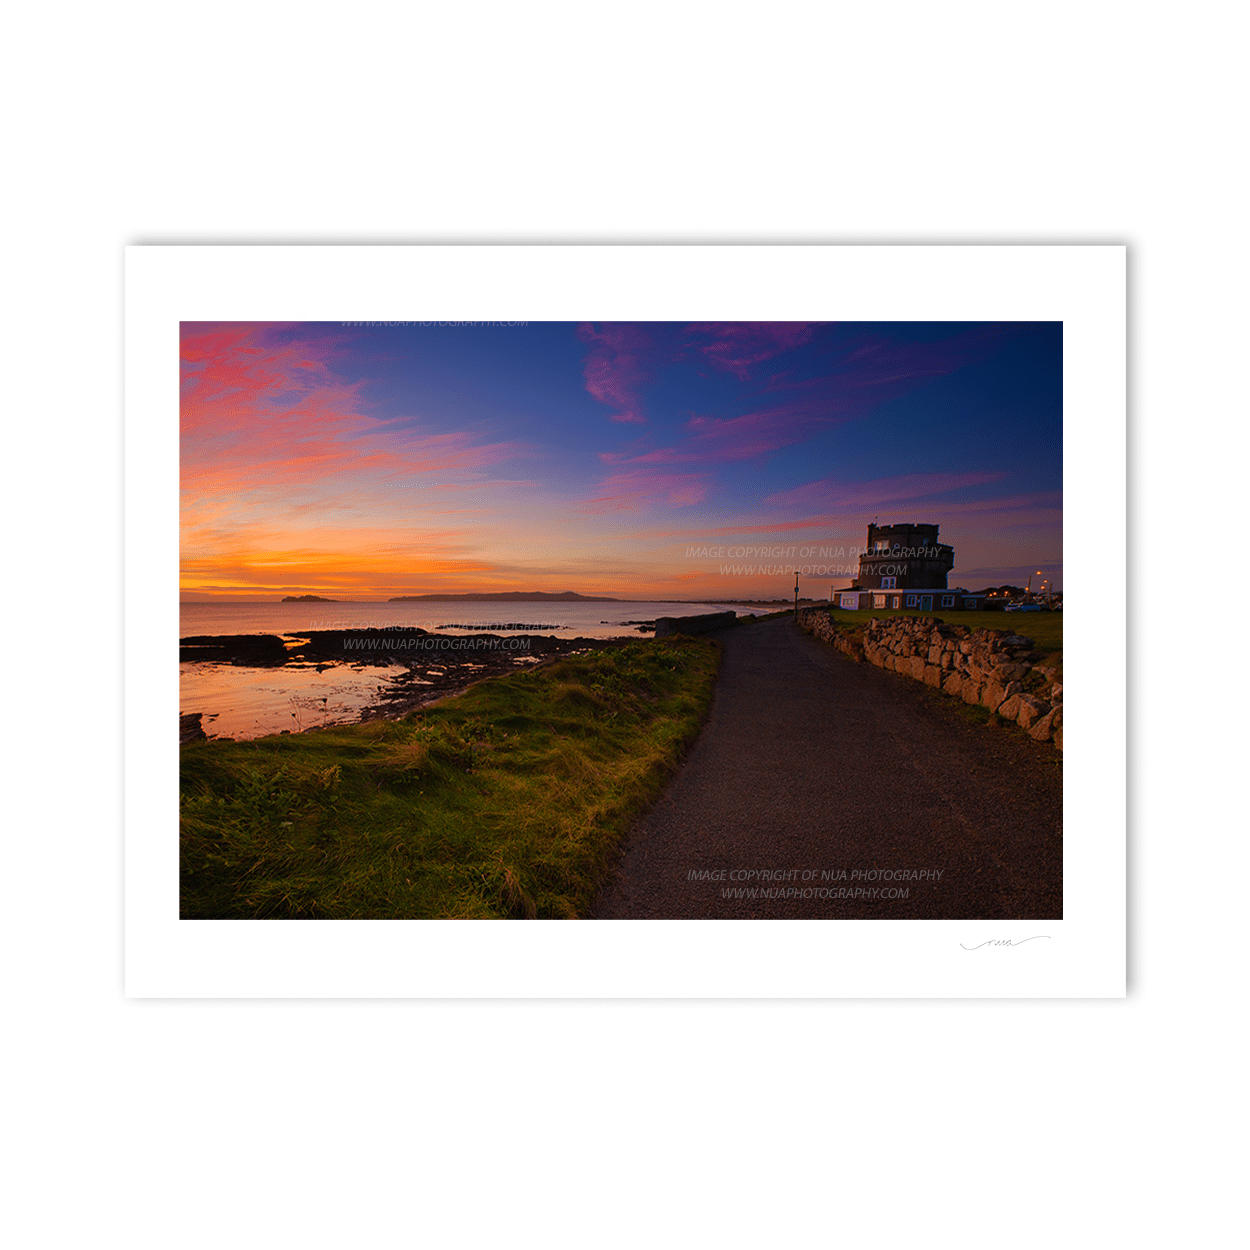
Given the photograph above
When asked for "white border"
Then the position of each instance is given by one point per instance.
(1084, 287)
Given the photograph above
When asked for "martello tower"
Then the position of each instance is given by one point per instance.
(904, 557)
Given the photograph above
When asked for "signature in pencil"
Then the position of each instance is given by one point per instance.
(1004, 942)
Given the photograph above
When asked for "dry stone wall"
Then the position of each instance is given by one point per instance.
(992, 667)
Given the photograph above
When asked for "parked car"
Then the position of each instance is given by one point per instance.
(1023, 607)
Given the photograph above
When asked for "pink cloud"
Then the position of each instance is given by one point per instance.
(876, 495)
(614, 368)
(720, 440)
(737, 346)
(255, 417)
(630, 490)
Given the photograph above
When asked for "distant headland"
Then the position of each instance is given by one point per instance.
(307, 599)
(505, 596)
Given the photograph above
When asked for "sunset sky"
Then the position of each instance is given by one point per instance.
(360, 461)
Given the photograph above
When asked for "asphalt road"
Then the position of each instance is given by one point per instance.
(822, 772)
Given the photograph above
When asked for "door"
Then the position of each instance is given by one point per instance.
(926, 603)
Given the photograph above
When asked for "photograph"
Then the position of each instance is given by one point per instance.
(676, 620)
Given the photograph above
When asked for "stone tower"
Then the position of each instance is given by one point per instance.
(904, 557)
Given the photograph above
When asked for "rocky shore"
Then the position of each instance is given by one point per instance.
(427, 666)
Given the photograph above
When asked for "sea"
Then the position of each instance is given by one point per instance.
(250, 702)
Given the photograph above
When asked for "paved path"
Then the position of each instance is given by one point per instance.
(812, 763)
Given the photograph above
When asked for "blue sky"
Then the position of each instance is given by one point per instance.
(365, 460)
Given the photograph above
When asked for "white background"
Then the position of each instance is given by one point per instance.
(399, 1123)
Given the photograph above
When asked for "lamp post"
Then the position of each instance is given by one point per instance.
(796, 594)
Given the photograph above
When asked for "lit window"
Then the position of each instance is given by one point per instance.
(878, 601)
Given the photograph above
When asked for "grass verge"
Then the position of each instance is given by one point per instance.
(507, 801)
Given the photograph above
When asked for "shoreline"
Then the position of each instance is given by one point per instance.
(425, 669)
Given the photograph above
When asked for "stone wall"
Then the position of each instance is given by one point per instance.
(992, 667)
(667, 625)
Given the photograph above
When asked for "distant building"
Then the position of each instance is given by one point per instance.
(957, 600)
(904, 557)
(903, 567)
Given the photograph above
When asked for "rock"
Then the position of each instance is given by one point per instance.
(1042, 731)
(966, 648)
(953, 683)
(1059, 737)
(948, 660)
(1007, 671)
(918, 667)
(993, 695)
(190, 729)
(241, 650)
(1030, 711)
(1017, 640)
(933, 676)
(971, 690)
(1010, 708)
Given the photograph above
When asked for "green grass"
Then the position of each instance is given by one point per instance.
(508, 801)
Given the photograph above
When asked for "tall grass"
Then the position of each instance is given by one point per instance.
(508, 801)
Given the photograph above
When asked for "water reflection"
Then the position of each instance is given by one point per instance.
(251, 702)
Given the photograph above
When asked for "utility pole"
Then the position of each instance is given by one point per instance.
(796, 594)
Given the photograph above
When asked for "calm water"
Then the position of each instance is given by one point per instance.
(564, 620)
(249, 702)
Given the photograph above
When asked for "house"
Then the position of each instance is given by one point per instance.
(957, 600)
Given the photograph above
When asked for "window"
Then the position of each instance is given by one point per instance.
(878, 601)
(948, 601)
(888, 583)
(896, 601)
(911, 601)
